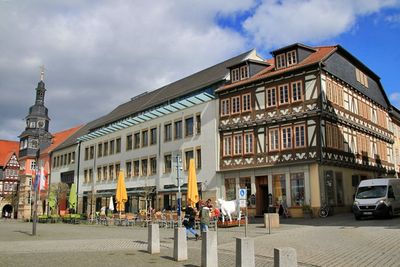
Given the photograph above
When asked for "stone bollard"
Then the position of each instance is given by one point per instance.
(272, 218)
(285, 257)
(180, 244)
(153, 243)
(209, 249)
(245, 252)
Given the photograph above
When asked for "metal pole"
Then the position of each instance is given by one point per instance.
(179, 192)
(36, 194)
(245, 228)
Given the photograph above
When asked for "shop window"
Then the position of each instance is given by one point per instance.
(279, 188)
(230, 189)
(297, 188)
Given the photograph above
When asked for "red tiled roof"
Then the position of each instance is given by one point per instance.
(321, 54)
(7, 148)
(60, 137)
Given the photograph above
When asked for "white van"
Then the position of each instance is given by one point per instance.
(377, 197)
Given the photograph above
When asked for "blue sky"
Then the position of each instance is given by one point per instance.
(99, 54)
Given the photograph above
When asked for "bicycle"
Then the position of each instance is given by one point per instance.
(324, 211)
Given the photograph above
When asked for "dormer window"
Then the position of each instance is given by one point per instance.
(244, 72)
(361, 77)
(291, 58)
(240, 73)
(286, 59)
(280, 61)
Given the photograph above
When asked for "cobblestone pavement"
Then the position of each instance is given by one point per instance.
(335, 241)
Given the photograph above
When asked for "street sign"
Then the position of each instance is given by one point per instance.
(243, 193)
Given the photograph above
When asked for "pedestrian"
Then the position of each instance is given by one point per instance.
(189, 221)
(205, 215)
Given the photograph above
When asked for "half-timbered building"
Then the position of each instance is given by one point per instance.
(395, 115)
(303, 128)
(9, 169)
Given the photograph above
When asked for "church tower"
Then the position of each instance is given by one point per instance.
(37, 125)
(33, 139)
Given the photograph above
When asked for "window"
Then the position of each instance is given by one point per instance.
(178, 129)
(144, 167)
(128, 167)
(291, 58)
(225, 107)
(248, 143)
(271, 97)
(245, 182)
(129, 142)
(105, 173)
(85, 175)
(286, 137)
(118, 145)
(198, 124)
(91, 175)
(112, 147)
(244, 72)
(189, 126)
(227, 146)
(299, 136)
(167, 163)
(280, 61)
(283, 94)
(274, 139)
(235, 104)
(246, 102)
(145, 138)
(136, 140)
(279, 188)
(153, 166)
(297, 188)
(361, 78)
(105, 149)
(230, 189)
(153, 136)
(167, 132)
(86, 153)
(235, 75)
(296, 91)
(188, 156)
(136, 168)
(198, 158)
(73, 157)
(99, 172)
(237, 145)
(91, 155)
(111, 172)
(117, 169)
(69, 159)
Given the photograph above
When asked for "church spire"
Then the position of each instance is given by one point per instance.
(40, 90)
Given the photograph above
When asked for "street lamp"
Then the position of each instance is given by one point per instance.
(42, 137)
(178, 170)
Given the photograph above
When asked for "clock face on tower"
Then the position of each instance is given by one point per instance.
(40, 124)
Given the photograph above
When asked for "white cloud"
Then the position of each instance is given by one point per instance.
(281, 22)
(395, 19)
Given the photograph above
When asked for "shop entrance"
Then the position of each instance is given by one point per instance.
(262, 200)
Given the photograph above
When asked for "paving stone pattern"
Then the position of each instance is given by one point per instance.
(335, 241)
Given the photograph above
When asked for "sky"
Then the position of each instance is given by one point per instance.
(98, 54)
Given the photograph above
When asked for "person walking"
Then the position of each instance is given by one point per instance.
(205, 215)
(189, 221)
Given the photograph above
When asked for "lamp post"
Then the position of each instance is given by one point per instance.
(178, 170)
(40, 136)
(34, 219)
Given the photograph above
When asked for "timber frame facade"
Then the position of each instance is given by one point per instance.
(303, 130)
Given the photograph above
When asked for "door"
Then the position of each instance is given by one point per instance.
(262, 200)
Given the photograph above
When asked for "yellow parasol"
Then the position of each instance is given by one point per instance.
(121, 195)
(193, 192)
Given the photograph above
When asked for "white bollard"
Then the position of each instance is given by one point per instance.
(180, 244)
(209, 249)
(285, 257)
(245, 252)
(153, 243)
